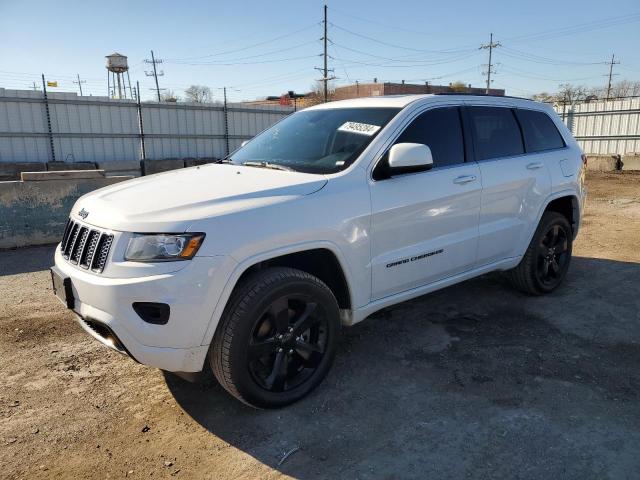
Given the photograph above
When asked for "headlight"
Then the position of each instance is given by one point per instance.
(163, 247)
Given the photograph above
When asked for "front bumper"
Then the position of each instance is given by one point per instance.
(180, 344)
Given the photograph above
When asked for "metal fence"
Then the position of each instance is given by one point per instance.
(65, 127)
(606, 127)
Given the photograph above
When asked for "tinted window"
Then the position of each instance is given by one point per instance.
(497, 133)
(539, 131)
(441, 131)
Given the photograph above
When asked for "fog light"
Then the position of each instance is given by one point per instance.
(150, 312)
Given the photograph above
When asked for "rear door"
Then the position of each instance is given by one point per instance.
(425, 224)
(514, 184)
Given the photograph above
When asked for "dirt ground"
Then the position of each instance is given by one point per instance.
(474, 381)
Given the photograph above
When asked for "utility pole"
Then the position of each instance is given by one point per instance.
(226, 122)
(611, 74)
(155, 73)
(490, 46)
(34, 87)
(326, 72)
(80, 82)
(48, 118)
(325, 69)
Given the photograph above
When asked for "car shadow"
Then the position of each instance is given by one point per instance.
(476, 380)
(26, 259)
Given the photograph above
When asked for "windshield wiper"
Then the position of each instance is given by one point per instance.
(273, 166)
(224, 160)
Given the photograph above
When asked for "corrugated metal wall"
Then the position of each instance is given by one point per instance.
(98, 129)
(605, 126)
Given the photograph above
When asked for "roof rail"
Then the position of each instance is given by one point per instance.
(467, 94)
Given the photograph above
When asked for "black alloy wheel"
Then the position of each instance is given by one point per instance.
(277, 337)
(546, 261)
(553, 256)
(288, 343)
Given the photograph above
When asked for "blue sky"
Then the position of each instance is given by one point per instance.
(263, 48)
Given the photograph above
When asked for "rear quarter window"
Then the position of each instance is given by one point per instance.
(539, 131)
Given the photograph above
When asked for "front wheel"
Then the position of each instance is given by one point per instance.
(546, 261)
(277, 337)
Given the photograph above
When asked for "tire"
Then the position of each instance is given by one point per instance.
(546, 261)
(277, 337)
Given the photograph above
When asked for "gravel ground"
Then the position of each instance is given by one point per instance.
(474, 381)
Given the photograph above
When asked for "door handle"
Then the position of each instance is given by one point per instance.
(535, 166)
(461, 180)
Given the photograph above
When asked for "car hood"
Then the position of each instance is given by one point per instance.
(171, 201)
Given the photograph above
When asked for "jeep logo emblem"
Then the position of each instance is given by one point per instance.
(83, 213)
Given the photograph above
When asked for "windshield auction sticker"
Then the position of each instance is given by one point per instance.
(361, 128)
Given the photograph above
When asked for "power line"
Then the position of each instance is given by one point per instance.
(408, 65)
(402, 47)
(155, 73)
(490, 46)
(531, 57)
(219, 62)
(611, 64)
(279, 37)
(535, 76)
(576, 29)
(396, 27)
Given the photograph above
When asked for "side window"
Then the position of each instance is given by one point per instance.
(540, 133)
(496, 132)
(441, 131)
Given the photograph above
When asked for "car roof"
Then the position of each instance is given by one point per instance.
(401, 101)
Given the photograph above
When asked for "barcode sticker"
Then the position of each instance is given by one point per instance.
(361, 128)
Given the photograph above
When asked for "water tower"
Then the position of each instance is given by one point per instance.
(117, 67)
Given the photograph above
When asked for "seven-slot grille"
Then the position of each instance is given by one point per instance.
(84, 246)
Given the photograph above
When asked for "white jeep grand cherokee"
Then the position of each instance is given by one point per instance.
(250, 266)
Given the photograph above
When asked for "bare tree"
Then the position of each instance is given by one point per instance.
(544, 97)
(625, 88)
(198, 94)
(458, 86)
(569, 93)
(316, 95)
(169, 96)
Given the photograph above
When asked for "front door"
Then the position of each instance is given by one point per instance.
(425, 224)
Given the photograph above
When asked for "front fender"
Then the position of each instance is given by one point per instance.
(243, 266)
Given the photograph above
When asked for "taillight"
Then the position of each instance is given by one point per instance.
(584, 159)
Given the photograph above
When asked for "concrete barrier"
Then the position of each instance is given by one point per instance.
(192, 162)
(34, 213)
(602, 163)
(149, 167)
(120, 167)
(58, 166)
(61, 175)
(12, 170)
(631, 162)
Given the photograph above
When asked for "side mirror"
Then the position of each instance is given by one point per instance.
(244, 142)
(409, 157)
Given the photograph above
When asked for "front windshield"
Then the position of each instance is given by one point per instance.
(316, 141)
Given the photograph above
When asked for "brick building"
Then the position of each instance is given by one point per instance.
(375, 89)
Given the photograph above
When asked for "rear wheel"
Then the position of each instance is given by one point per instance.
(546, 261)
(277, 338)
